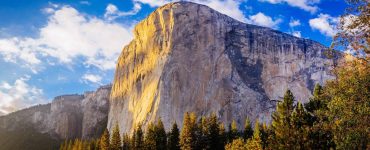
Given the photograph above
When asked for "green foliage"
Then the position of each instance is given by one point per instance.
(233, 131)
(150, 139)
(349, 105)
(160, 136)
(281, 123)
(174, 138)
(26, 138)
(138, 138)
(248, 131)
(115, 143)
(255, 143)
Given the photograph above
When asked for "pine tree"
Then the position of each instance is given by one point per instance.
(255, 143)
(236, 144)
(202, 134)
(138, 138)
(213, 133)
(70, 145)
(161, 137)
(248, 131)
(104, 140)
(188, 132)
(63, 146)
(222, 136)
(115, 143)
(174, 138)
(300, 127)
(150, 137)
(233, 131)
(125, 142)
(281, 122)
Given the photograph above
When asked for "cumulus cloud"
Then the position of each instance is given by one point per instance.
(263, 20)
(112, 12)
(307, 5)
(91, 78)
(294, 23)
(69, 35)
(19, 95)
(296, 34)
(227, 7)
(324, 23)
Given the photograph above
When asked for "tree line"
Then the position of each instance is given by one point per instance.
(336, 117)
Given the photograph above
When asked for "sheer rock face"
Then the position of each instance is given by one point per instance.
(187, 57)
(66, 117)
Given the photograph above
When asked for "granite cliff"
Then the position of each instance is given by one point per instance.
(66, 117)
(187, 57)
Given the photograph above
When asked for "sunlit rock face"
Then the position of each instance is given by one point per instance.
(187, 57)
(66, 117)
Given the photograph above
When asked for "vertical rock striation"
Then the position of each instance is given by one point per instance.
(187, 57)
(66, 117)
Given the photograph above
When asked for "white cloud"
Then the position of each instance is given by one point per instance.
(69, 35)
(227, 7)
(294, 23)
(324, 23)
(85, 3)
(264, 20)
(297, 34)
(307, 5)
(19, 95)
(112, 12)
(92, 78)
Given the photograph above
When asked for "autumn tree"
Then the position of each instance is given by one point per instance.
(349, 106)
(104, 140)
(188, 132)
(255, 143)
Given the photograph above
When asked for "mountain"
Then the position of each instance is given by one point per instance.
(187, 57)
(66, 117)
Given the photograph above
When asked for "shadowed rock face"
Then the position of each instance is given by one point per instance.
(187, 57)
(66, 117)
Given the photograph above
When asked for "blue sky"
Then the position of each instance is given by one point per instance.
(51, 48)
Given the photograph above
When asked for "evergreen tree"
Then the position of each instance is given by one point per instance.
(300, 127)
(174, 138)
(255, 143)
(70, 145)
(213, 131)
(222, 136)
(202, 134)
(161, 137)
(115, 143)
(104, 140)
(281, 122)
(150, 137)
(236, 144)
(188, 132)
(125, 142)
(248, 131)
(233, 131)
(138, 138)
(64, 145)
(319, 136)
